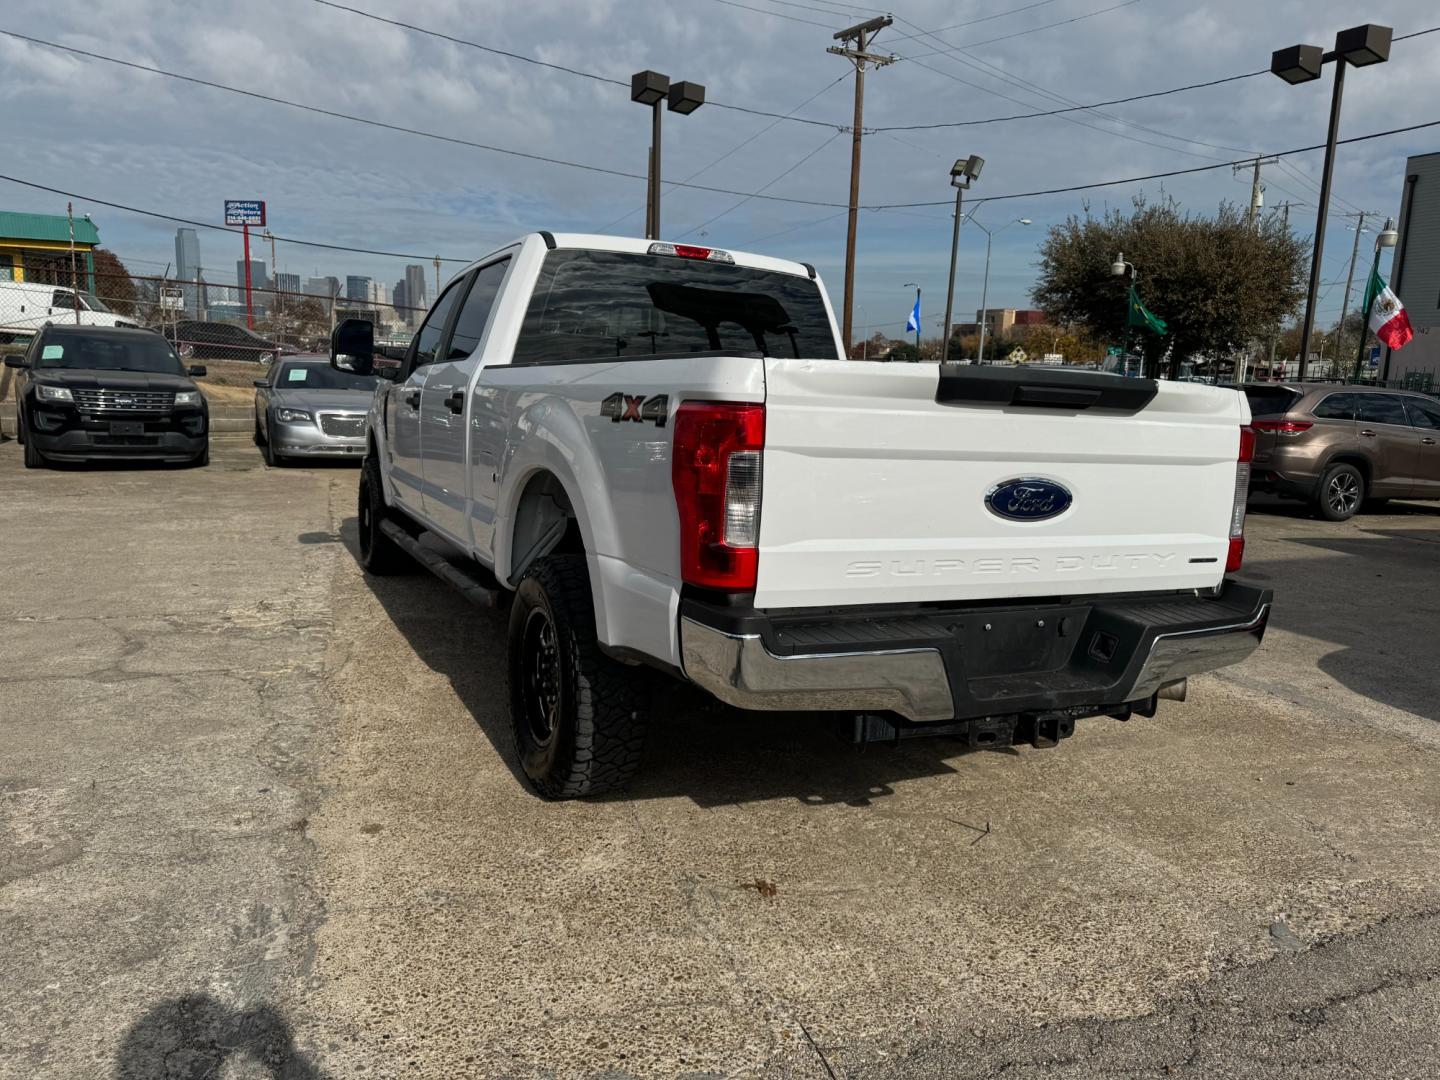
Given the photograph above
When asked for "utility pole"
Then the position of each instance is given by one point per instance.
(1257, 197)
(858, 36)
(1360, 216)
(437, 277)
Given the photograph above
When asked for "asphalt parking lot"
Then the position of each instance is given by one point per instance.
(258, 818)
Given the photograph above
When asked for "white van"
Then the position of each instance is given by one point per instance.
(26, 306)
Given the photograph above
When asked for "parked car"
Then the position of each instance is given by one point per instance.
(660, 452)
(25, 306)
(1338, 447)
(98, 392)
(221, 341)
(305, 408)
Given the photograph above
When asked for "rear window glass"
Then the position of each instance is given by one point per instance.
(1270, 400)
(598, 305)
(1336, 407)
(1424, 414)
(1381, 409)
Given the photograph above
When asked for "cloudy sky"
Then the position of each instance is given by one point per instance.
(126, 136)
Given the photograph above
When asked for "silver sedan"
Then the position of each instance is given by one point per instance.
(305, 408)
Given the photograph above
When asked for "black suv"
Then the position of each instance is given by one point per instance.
(92, 392)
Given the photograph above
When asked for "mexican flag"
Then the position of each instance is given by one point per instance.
(1386, 314)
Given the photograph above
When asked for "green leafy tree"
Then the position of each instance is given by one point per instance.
(1218, 282)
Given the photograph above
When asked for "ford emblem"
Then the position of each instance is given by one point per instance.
(1030, 498)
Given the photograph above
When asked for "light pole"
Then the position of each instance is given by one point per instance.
(1359, 46)
(1119, 268)
(1387, 238)
(985, 288)
(651, 88)
(961, 173)
(907, 285)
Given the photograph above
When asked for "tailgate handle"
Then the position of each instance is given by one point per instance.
(1060, 388)
(1055, 397)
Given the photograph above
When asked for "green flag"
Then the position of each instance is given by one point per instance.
(1140, 316)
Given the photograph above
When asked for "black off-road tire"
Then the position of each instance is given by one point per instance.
(1342, 491)
(379, 555)
(202, 459)
(577, 717)
(19, 426)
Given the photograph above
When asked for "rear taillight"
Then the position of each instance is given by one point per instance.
(690, 251)
(1242, 491)
(716, 471)
(1282, 427)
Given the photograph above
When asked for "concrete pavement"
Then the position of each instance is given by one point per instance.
(259, 813)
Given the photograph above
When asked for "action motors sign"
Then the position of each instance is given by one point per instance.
(245, 212)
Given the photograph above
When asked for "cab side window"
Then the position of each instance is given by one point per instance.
(64, 299)
(1336, 407)
(427, 341)
(475, 312)
(1381, 409)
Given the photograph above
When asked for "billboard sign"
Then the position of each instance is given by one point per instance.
(245, 212)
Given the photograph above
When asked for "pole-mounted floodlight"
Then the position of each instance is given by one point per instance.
(1360, 46)
(961, 174)
(651, 88)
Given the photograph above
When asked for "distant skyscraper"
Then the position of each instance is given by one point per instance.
(398, 298)
(379, 294)
(187, 266)
(357, 288)
(323, 288)
(415, 293)
(259, 283)
(287, 283)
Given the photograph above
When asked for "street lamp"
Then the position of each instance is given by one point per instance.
(1386, 239)
(961, 174)
(1120, 268)
(907, 285)
(985, 288)
(1360, 46)
(651, 88)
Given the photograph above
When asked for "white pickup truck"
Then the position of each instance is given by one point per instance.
(657, 456)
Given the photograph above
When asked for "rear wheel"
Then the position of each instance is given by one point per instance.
(379, 555)
(578, 717)
(1342, 490)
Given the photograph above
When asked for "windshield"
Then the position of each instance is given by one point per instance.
(137, 352)
(93, 302)
(603, 304)
(319, 375)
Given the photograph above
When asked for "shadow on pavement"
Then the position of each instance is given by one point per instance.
(193, 1037)
(696, 748)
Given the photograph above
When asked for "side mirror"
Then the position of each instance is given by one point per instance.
(187, 350)
(262, 384)
(197, 370)
(16, 362)
(352, 346)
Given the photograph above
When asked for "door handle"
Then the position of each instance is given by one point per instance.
(412, 398)
(1367, 433)
(456, 401)
(1427, 441)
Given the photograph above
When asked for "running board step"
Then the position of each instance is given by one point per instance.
(466, 584)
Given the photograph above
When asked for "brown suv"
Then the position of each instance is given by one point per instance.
(1338, 446)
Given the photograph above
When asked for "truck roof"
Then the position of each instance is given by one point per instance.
(635, 246)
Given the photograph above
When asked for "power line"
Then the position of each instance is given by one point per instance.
(541, 63)
(222, 228)
(972, 22)
(772, 183)
(1051, 26)
(775, 14)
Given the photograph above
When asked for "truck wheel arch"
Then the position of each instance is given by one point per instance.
(544, 521)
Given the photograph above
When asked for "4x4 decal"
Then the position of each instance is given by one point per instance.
(621, 407)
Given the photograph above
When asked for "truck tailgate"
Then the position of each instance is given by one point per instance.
(876, 492)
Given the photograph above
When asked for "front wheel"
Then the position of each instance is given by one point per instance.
(379, 555)
(202, 459)
(1342, 490)
(578, 717)
(33, 458)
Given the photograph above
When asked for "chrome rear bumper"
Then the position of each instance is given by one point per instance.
(1150, 645)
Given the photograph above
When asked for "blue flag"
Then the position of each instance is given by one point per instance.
(913, 323)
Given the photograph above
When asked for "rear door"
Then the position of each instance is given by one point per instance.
(1392, 445)
(1425, 418)
(443, 435)
(402, 404)
(880, 486)
(1267, 404)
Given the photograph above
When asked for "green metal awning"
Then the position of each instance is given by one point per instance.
(51, 228)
